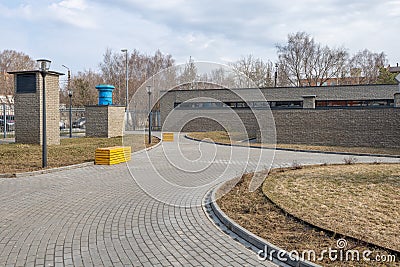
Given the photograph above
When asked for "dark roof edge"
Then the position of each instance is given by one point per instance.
(286, 87)
(35, 71)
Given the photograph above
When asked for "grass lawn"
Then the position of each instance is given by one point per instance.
(21, 157)
(359, 200)
(223, 137)
(8, 135)
(335, 198)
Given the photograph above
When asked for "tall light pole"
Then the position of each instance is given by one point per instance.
(70, 100)
(148, 89)
(276, 74)
(126, 78)
(5, 120)
(44, 66)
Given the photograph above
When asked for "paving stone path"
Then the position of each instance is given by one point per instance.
(146, 213)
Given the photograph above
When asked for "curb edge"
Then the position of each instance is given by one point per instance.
(253, 239)
(300, 150)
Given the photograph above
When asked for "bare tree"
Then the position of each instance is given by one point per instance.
(305, 62)
(252, 71)
(11, 60)
(365, 66)
(84, 87)
(223, 78)
(282, 78)
(112, 71)
(324, 64)
(140, 68)
(188, 75)
(158, 62)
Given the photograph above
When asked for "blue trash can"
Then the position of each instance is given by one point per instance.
(105, 94)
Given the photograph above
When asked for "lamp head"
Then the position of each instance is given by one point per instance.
(70, 93)
(44, 64)
(148, 89)
(124, 50)
(398, 78)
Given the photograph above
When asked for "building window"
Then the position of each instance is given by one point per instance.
(354, 103)
(287, 104)
(261, 104)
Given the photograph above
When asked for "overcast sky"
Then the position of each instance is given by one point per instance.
(76, 33)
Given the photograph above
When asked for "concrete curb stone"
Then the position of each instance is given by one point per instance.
(300, 150)
(273, 253)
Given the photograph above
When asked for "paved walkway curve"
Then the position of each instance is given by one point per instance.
(101, 216)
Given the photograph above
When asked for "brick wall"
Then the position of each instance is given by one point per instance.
(27, 113)
(104, 121)
(216, 120)
(247, 130)
(376, 127)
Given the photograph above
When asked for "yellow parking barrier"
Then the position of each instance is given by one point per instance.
(112, 155)
(168, 137)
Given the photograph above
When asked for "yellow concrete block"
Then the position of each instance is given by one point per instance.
(112, 155)
(168, 137)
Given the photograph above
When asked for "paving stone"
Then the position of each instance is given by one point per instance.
(115, 216)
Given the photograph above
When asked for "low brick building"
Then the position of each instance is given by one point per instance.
(359, 115)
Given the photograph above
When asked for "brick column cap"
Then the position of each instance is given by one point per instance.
(309, 96)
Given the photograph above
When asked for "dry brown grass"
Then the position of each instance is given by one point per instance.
(253, 211)
(223, 137)
(218, 136)
(21, 158)
(357, 200)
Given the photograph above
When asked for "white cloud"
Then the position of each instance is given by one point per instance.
(73, 12)
(21, 11)
(73, 4)
(79, 31)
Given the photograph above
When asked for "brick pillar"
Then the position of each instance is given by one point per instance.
(309, 101)
(104, 121)
(52, 109)
(28, 107)
(397, 100)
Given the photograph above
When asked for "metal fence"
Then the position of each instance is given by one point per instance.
(138, 120)
(134, 119)
(7, 123)
(77, 113)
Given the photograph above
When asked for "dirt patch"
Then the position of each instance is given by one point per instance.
(253, 211)
(358, 200)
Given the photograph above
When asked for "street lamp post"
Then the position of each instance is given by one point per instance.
(4, 120)
(70, 100)
(148, 88)
(70, 113)
(126, 78)
(276, 74)
(44, 66)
